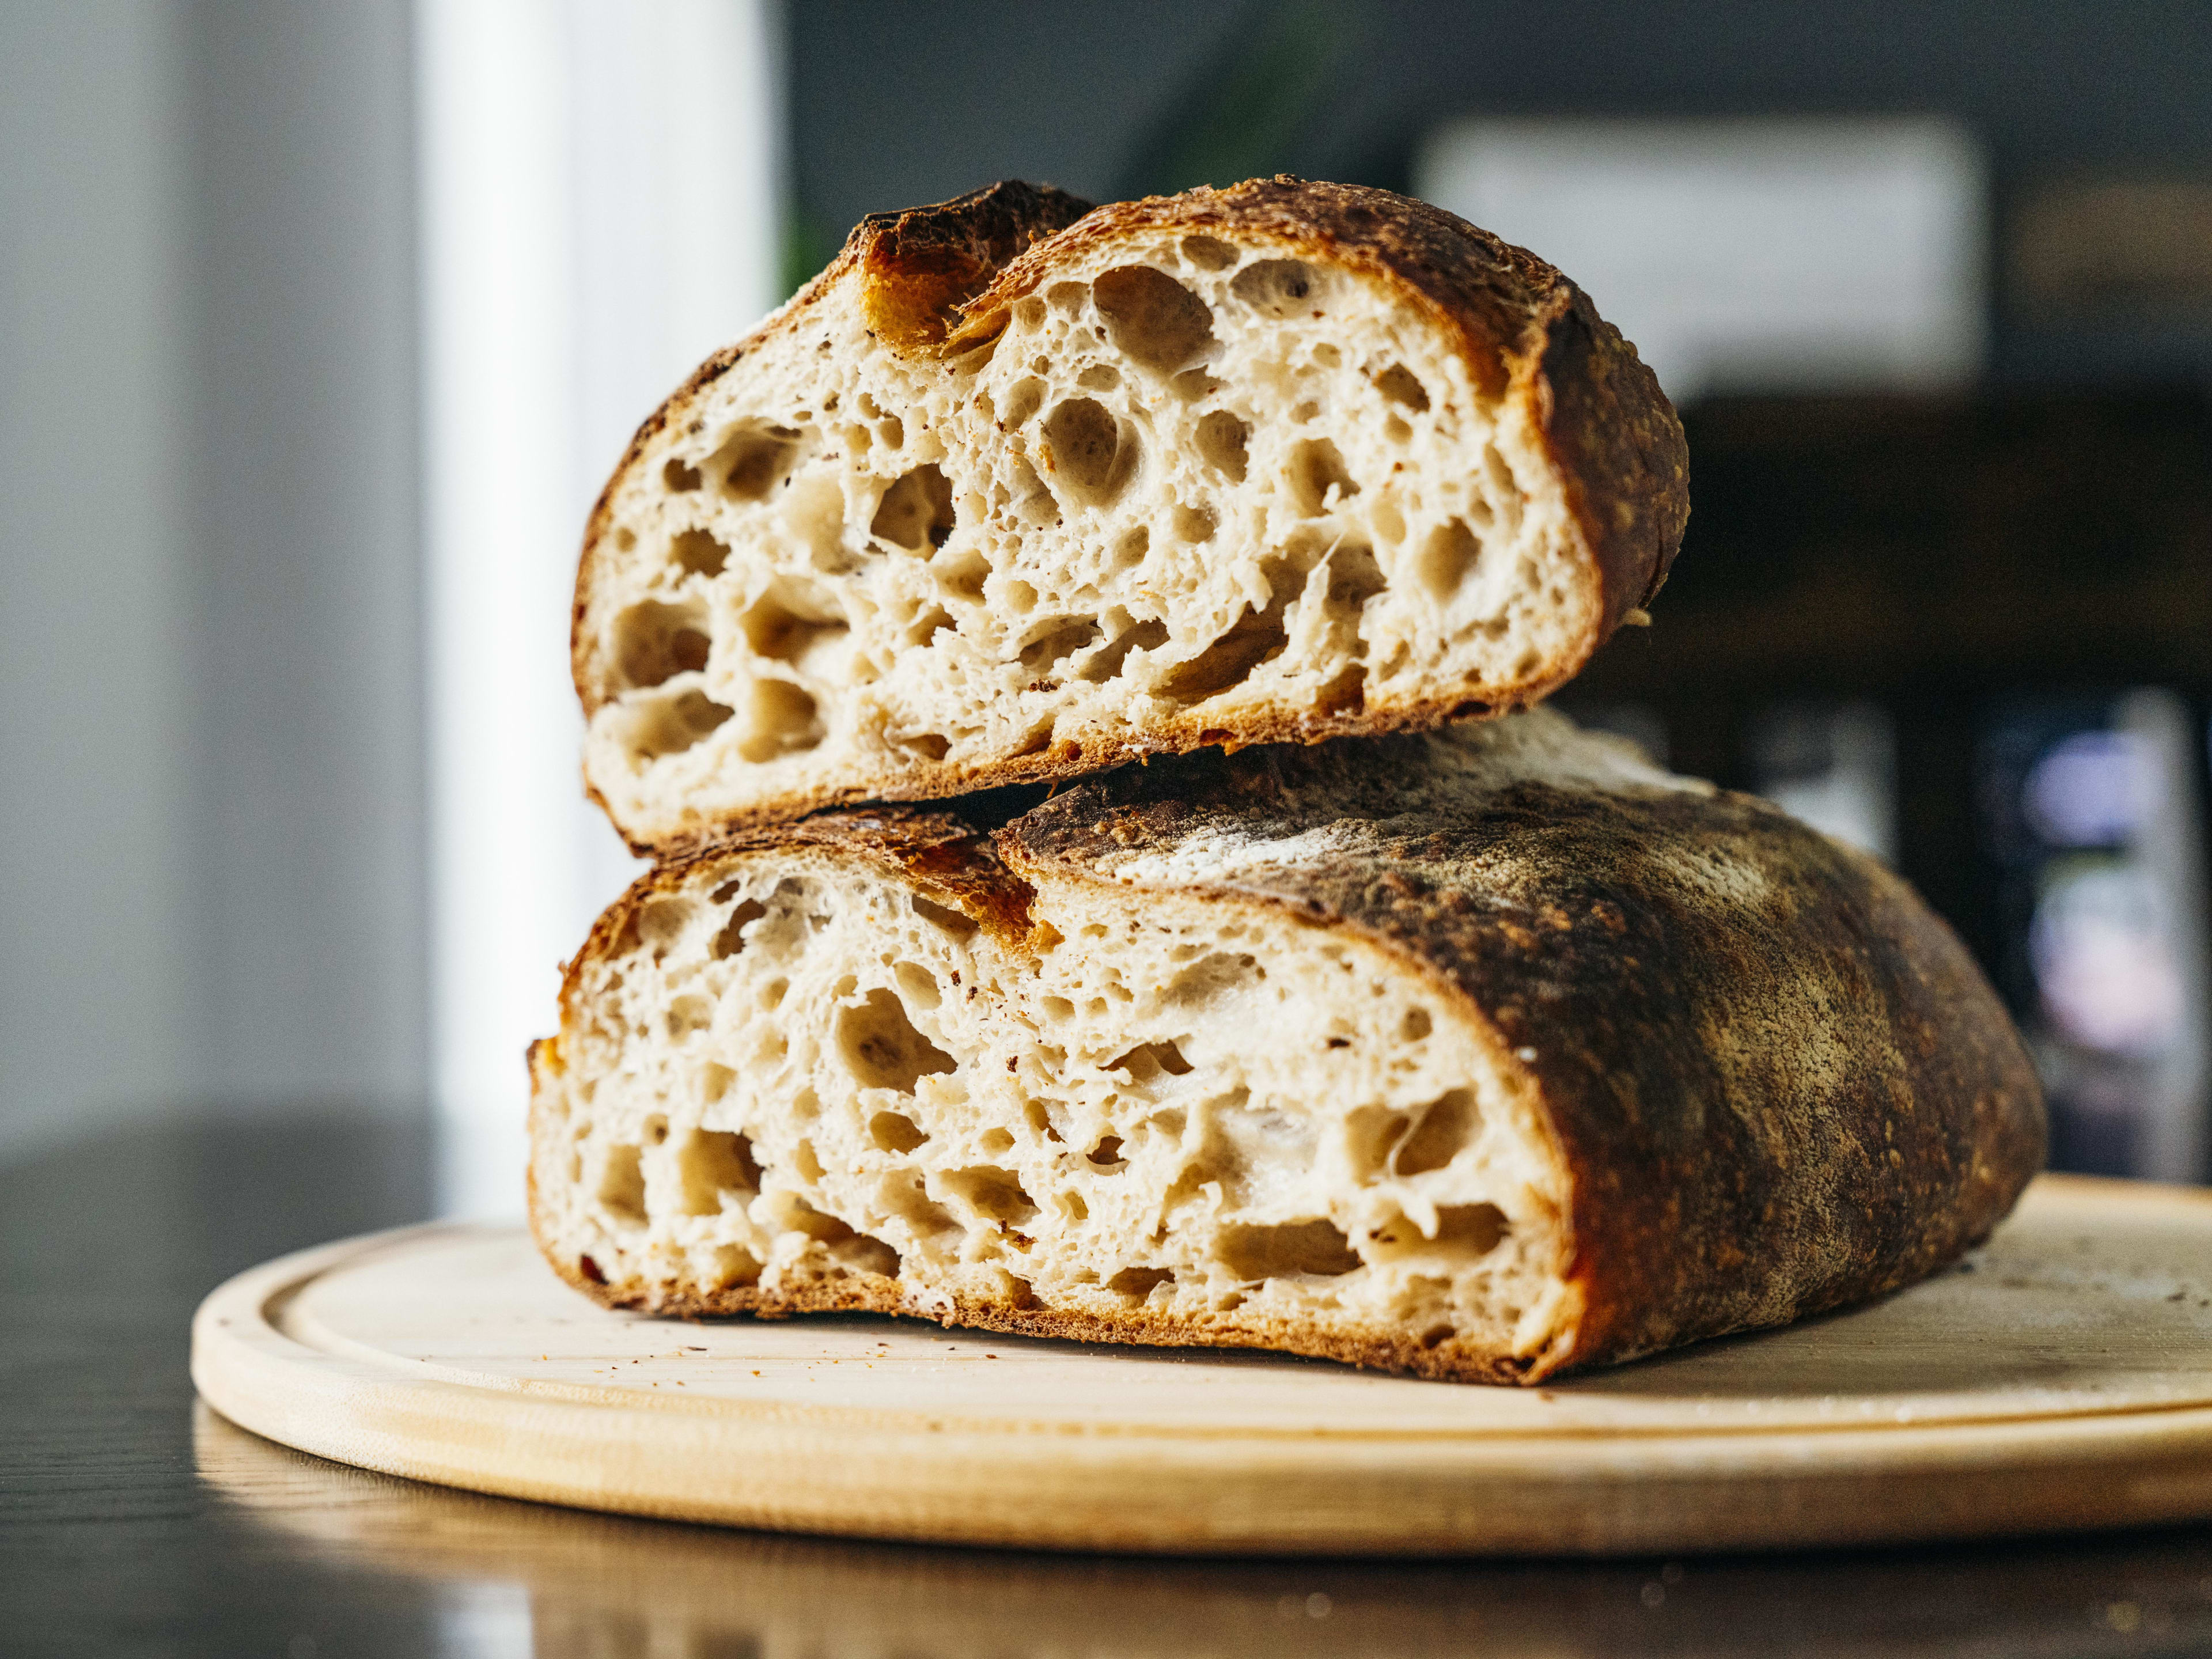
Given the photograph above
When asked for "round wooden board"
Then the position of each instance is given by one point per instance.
(2060, 1378)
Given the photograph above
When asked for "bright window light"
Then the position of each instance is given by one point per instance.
(599, 200)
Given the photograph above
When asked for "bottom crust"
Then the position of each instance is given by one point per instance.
(854, 1293)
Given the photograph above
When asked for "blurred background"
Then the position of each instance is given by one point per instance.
(322, 325)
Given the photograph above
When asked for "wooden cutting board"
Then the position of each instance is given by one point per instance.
(2060, 1378)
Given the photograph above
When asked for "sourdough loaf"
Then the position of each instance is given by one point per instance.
(1480, 1054)
(1015, 490)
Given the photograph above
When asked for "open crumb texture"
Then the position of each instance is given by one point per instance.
(1016, 491)
(1480, 1054)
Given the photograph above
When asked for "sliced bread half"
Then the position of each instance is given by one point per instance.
(1015, 491)
(1480, 1054)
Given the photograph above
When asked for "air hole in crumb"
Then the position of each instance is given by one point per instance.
(622, 1186)
(991, 1192)
(789, 619)
(1347, 693)
(1138, 1283)
(1130, 549)
(862, 1254)
(895, 1132)
(687, 1014)
(1447, 556)
(784, 719)
(1152, 317)
(1086, 451)
(1108, 663)
(997, 1142)
(1278, 288)
(1151, 1060)
(590, 1269)
(800, 1217)
(1107, 1154)
(805, 1160)
(916, 512)
(699, 552)
(732, 939)
(1354, 577)
(929, 745)
(1066, 296)
(1295, 1247)
(679, 479)
(715, 1081)
(1448, 1123)
(1317, 474)
(654, 642)
(901, 1194)
(1222, 441)
(659, 923)
(1216, 975)
(1475, 1228)
(626, 539)
(1254, 638)
(1026, 398)
(1400, 385)
(735, 1268)
(929, 625)
(1193, 524)
(964, 578)
(753, 460)
(717, 1171)
(1328, 356)
(670, 726)
(1195, 386)
(882, 1049)
(656, 1129)
(1437, 1336)
(1416, 1025)
(1061, 640)
(1073, 1207)
(918, 984)
(961, 926)
(1099, 377)
(1208, 252)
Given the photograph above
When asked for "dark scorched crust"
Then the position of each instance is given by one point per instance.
(1777, 1082)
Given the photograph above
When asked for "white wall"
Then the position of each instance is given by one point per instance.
(95, 571)
(211, 760)
(598, 183)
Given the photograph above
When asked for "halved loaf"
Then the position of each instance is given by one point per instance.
(1013, 492)
(1478, 1054)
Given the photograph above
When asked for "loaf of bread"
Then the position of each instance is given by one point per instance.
(1015, 490)
(1480, 1054)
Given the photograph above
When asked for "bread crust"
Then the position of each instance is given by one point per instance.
(941, 280)
(1775, 1081)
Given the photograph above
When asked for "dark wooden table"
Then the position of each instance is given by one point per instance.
(133, 1521)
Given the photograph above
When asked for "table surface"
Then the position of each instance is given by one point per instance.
(134, 1521)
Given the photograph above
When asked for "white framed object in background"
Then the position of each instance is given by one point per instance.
(1749, 255)
(599, 185)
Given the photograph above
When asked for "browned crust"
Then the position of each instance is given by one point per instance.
(1529, 337)
(1766, 1105)
(1675, 1036)
(841, 1291)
